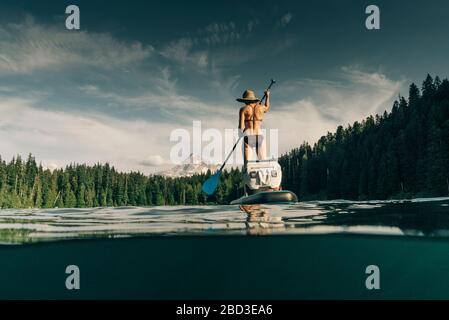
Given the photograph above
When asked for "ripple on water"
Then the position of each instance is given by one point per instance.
(417, 217)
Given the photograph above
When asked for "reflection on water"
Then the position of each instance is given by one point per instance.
(259, 221)
(419, 217)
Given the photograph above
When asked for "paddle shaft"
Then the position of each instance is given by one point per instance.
(235, 145)
(230, 153)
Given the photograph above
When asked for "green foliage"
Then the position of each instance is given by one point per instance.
(404, 153)
(26, 185)
(401, 154)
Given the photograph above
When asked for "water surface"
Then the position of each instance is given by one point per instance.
(308, 250)
(418, 217)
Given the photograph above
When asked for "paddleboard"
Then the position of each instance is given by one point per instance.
(266, 197)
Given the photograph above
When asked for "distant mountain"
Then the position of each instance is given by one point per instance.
(191, 166)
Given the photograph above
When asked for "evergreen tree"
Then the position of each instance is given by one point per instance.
(402, 153)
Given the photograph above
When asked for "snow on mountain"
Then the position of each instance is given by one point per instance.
(191, 166)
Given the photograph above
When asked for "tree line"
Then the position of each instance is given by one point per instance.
(400, 154)
(403, 153)
(25, 184)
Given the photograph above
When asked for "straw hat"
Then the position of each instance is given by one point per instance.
(248, 96)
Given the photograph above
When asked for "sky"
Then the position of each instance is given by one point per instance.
(116, 89)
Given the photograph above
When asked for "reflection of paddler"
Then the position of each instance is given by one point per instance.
(259, 221)
(256, 213)
(250, 122)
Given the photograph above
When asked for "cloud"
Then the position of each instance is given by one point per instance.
(63, 137)
(33, 120)
(178, 50)
(90, 89)
(375, 79)
(298, 122)
(251, 24)
(186, 50)
(57, 137)
(236, 55)
(162, 96)
(220, 27)
(181, 51)
(285, 19)
(153, 161)
(221, 33)
(74, 80)
(326, 104)
(27, 46)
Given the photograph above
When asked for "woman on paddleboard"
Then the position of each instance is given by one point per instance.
(250, 123)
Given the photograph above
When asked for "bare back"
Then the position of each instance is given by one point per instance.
(250, 122)
(251, 117)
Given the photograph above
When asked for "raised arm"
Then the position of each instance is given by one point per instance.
(267, 101)
(241, 120)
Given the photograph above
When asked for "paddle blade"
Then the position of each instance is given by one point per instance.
(210, 185)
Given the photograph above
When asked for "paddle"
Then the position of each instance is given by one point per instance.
(210, 185)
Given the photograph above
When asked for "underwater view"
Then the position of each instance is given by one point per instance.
(307, 250)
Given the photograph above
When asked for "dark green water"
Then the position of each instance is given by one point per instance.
(318, 252)
(272, 267)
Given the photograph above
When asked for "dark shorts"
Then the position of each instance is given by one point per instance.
(254, 140)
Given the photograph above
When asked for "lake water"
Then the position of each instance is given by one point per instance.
(418, 217)
(309, 250)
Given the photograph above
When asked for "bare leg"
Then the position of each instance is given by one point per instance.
(261, 148)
